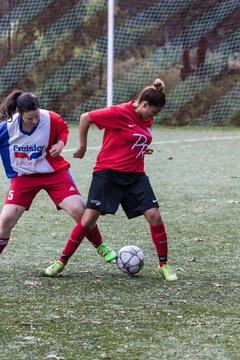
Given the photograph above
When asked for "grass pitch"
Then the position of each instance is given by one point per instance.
(92, 310)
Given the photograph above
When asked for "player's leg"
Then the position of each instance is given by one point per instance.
(64, 193)
(138, 206)
(102, 199)
(81, 230)
(140, 199)
(88, 222)
(160, 240)
(18, 198)
(75, 206)
(86, 227)
(158, 233)
(8, 218)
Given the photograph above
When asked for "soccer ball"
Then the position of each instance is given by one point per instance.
(130, 259)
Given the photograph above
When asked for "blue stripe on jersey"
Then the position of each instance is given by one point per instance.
(4, 150)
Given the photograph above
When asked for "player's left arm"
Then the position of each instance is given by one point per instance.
(56, 149)
(60, 131)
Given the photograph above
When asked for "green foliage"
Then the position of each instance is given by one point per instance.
(58, 50)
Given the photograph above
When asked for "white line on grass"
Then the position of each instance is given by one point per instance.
(214, 138)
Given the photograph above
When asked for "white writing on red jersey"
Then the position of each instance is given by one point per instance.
(141, 143)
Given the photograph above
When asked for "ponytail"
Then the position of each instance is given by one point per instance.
(8, 107)
(18, 101)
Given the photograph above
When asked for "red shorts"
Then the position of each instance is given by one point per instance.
(59, 185)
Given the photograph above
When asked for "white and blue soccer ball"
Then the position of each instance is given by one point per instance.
(130, 259)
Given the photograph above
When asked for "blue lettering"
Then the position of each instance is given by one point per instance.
(26, 148)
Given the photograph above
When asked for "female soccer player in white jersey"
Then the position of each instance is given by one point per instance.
(118, 176)
(31, 141)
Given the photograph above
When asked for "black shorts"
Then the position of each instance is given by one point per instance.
(133, 191)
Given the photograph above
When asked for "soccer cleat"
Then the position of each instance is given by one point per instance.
(167, 272)
(107, 253)
(55, 268)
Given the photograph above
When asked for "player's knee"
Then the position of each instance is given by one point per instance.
(153, 216)
(77, 213)
(89, 219)
(74, 207)
(7, 222)
(88, 224)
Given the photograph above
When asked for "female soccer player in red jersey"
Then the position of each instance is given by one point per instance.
(118, 175)
(31, 141)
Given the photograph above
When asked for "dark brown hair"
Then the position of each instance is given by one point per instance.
(153, 94)
(18, 101)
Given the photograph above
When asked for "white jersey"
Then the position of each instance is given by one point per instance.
(26, 153)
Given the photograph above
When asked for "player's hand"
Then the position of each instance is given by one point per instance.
(79, 152)
(56, 149)
(148, 151)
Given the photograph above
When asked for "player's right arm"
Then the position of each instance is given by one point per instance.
(84, 125)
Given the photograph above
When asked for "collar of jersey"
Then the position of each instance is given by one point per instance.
(26, 132)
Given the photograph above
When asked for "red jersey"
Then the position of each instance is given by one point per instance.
(126, 138)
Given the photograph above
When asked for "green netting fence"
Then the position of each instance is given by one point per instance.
(58, 50)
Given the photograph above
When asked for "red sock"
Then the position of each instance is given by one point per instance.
(160, 241)
(74, 240)
(95, 237)
(3, 244)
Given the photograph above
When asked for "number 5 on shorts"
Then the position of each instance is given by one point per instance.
(10, 194)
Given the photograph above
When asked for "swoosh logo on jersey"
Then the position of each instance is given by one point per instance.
(131, 125)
